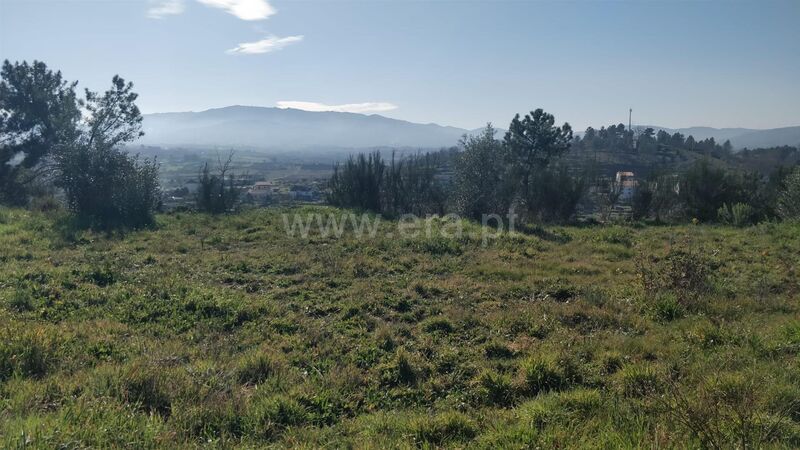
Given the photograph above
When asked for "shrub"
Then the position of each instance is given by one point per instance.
(789, 198)
(217, 193)
(107, 188)
(667, 308)
(738, 214)
(682, 271)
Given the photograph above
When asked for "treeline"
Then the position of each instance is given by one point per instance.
(399, 186)
(618, 138)
(522, 173)
(527, 173)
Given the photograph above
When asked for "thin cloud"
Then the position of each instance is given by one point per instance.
(361, 108)
(243, 9)
(161, 8)
(270, 44)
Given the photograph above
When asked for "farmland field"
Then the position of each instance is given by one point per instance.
(224, 331)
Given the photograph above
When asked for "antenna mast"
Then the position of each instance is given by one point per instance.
(630, 113)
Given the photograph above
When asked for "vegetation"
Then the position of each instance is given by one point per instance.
(217, 193)
(220, 331)
(49, 137)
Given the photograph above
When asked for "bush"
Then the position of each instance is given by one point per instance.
(667, 308)
(216, 193)
(107, 188)
(683, 272)
(789, 198)
(738, 214)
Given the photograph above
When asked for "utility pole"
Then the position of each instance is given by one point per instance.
(630, 113)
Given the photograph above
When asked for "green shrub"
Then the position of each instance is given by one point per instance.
(738, 214)
(683, 271)
(667, 308)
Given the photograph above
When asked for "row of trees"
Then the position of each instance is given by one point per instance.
(526, 173)
(403, 185)
(49, 137)
(521, 173)
(712, 193)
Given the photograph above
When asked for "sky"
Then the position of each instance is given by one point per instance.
(461, 63)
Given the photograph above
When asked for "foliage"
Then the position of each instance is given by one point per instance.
(217, 193)
(403, 186)
(738, 214)
(38, 116)
(789, 197)
(480, 185)
(683, 271)
(531, 144)
(104, 185)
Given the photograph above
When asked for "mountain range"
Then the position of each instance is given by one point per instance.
(277, 129)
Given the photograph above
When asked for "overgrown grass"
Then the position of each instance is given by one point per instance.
(222, 331)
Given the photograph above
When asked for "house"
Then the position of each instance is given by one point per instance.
(262, 192)
(627, 183)
(302, 193)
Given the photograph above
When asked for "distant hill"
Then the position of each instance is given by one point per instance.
(739, 137)
(289, 129)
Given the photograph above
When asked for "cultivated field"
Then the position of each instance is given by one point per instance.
(225, 331)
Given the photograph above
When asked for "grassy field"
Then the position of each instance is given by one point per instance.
(225, 332)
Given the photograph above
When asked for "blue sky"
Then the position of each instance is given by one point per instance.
(461, 63)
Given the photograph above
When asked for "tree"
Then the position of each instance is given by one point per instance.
(479, 186)
(704, 189)
(217, 192)
(38, 116)
(104, 185)
(530, 146)
(789, 198)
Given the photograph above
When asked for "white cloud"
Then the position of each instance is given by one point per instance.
(270, 44)
(350, 107)
(16, 159)
(243, 9)
(160, 8)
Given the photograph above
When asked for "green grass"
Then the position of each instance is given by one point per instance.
(221, 331)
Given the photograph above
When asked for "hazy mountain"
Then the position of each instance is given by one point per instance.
(739, 137)
(292, 129)
(285, 129)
